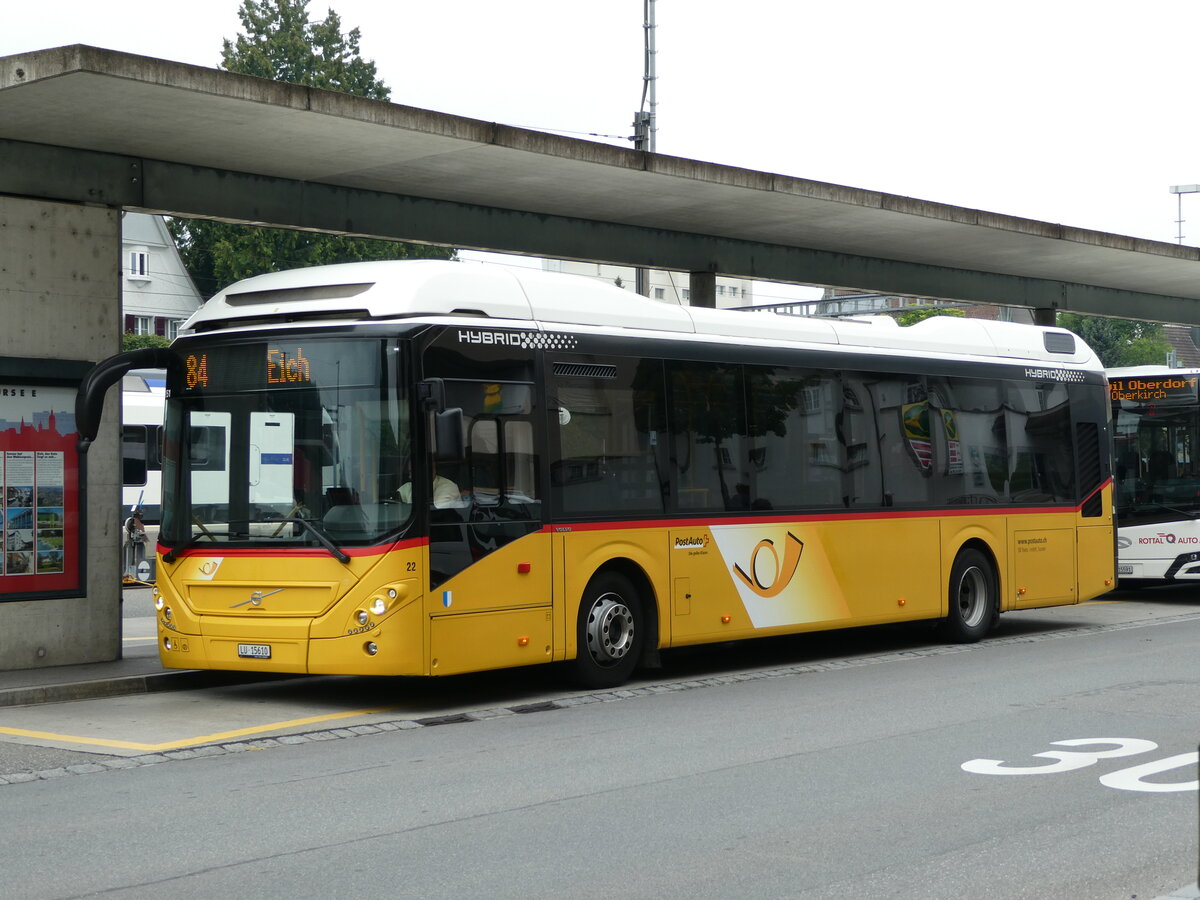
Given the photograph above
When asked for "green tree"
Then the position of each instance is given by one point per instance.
(279, 42)
(141, 341)
(913, 316)
(1119, 342)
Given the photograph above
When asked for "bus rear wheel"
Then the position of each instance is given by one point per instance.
(974, 598)
(610, 632)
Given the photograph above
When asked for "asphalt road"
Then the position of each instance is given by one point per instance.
(873, 763)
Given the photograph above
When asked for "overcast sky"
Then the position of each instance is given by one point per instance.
(1074, 111)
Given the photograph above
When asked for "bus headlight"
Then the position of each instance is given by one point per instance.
(362, 617)
(371, 647)
(379, 607)
(159, 600)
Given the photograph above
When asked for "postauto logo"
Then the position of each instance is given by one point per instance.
(783, 569)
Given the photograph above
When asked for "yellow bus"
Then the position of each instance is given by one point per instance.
(429, 467)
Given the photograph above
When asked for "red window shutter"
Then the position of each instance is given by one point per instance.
(129, 325)
(160, 326)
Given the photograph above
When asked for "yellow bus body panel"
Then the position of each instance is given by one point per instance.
(472, 642)
(305, 608)
(586, 551)
(497, 613)
(520, 604)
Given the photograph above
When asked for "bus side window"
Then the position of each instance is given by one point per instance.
(154, 450)
(520, 461)
(133, 454)
(606, 424)
(483, 456)
(710, 440)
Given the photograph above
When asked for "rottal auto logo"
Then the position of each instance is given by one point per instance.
(783, 571)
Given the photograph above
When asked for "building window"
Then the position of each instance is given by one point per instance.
(173, 326)
(658, 294)
(720, 290)
(139, 264)
(687, 295)
(733, 291)
(143, 325)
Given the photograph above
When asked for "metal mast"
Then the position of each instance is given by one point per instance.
(645, 121)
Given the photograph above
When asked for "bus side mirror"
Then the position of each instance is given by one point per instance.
(89, 399)
(448, 432)
(432, 393)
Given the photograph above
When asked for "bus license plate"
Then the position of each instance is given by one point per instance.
(1124, 569)
(254, 651)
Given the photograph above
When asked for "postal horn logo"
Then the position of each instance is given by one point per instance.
(783, 570)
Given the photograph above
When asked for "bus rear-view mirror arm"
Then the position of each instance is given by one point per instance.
(89, 400)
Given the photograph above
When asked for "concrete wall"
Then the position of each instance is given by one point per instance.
(60, 300)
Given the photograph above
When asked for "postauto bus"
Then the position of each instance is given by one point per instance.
(432, 467)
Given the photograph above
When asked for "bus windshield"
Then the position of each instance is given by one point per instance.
(1155, 449)
(284, 440)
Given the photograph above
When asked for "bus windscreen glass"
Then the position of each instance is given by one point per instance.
(291, 440)
(1155, 446)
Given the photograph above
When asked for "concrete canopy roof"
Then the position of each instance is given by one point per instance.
(89, 125)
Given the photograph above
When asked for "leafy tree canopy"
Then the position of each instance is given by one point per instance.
(279, 42)
(913, 316)
(1119, 342)
(142, 341)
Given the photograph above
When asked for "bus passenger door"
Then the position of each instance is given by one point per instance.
(490, 561)
(485, 541)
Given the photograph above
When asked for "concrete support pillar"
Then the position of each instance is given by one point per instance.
(1044, 315)
(60, 297)
(704, 289)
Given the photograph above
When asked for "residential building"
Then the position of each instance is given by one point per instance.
(669, 287)
(1184, 353)
(837, 302)
(157, 293)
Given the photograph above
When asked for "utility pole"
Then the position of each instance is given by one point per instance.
(1179, 190)
(645, 122)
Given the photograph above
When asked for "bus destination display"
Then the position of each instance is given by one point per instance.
(1156, 389)
(260, 367)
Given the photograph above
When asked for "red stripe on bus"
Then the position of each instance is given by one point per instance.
(210, 550)
(819, 517)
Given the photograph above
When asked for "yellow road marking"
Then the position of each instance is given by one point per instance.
(191, 742)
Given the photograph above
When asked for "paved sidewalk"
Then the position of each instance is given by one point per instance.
(132, 675)
(138, 672)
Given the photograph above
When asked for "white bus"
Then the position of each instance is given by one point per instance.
(143, 396)
(1156, 454)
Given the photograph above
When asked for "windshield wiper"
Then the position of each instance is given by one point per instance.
(322, 538)
(173, 553)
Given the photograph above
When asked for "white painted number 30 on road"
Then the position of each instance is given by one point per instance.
(1130, 779)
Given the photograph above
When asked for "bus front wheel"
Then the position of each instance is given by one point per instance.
(974, 598)
(610, 632)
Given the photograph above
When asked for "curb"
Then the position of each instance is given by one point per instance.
(125, 685)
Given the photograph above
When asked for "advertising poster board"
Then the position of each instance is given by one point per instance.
(40, 489)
